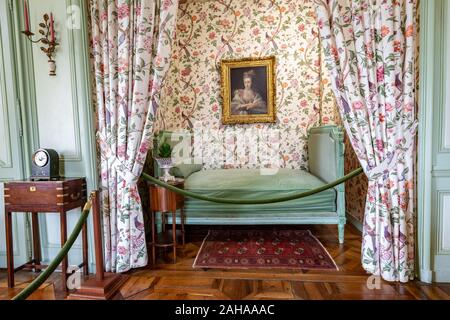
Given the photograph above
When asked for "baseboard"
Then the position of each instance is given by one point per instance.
(441, 276)
(441, 267)
(426, 276)
(358, 225)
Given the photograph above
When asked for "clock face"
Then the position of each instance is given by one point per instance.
(40, 158)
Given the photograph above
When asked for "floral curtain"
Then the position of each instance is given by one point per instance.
(370, 48)
(131, 43)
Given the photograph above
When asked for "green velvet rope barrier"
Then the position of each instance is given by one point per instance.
(33, 286)
(186, 193)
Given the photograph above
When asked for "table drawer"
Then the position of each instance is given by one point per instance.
(29, 193)
(44, 192)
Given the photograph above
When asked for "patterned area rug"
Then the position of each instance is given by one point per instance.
(265, 249)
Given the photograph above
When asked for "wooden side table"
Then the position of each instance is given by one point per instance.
(43, 196)
(165, 201)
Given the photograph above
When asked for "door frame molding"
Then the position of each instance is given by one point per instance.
(431, 98)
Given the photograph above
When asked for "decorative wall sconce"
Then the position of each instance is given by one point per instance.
(48, 39)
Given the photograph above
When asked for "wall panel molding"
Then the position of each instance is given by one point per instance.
(5, 137)
(426, 94)
(434, 156)
(445, 128)
(444, 217)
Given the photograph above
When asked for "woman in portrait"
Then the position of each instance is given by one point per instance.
(247, 100)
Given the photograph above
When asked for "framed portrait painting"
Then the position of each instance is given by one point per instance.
(248, 90)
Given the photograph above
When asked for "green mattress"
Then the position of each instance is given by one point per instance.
(250, 184)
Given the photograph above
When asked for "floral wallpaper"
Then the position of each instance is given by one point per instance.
(213, 30)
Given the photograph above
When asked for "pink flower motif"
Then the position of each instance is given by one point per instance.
(255, 31)
(385, 31)
(104, 16)
(379, 144)
(303, 103)
(138, 10)
(225, 23)
(148, 44)
(182, 27)
(408, 107)
(144, 147)
(357, 105)
(185, 72)
(380, 74)
(389, 107)
(212, 35)
(205, 88)
(123, 11)
(177, 110)
(121, 250)
(215, 107)
(294, 83)
(166, 4)
(301, 27)
(320, 23)
(185, 99)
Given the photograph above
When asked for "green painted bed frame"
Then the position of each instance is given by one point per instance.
(326, 161)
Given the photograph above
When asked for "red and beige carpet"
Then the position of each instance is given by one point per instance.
(265, 249)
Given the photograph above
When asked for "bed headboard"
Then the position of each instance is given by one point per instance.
(326, 153)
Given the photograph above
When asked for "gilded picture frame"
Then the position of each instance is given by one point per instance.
(248, 90)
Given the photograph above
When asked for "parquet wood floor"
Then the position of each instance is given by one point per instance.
(180, 281)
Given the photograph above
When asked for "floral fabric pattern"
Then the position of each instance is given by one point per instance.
(213, 30)
(370, 49)
(356, 188)
(131, 44)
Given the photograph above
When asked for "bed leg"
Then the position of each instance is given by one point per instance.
(341, 229)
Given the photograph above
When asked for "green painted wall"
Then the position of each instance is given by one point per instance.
(56, 111)
(434, 143)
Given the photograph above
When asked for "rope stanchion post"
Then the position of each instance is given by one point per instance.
(104, 285)
(99, 268)
(36, 283)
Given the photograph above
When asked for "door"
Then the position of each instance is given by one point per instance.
(11, 166)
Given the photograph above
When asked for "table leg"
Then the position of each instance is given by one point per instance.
(153, 217)
(85, 249)
(64, 265)
(36, 239)
(182, 220)
(174, 235)
(9, 249)
(163, 221)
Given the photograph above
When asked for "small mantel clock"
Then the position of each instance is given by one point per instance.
(45, 165)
